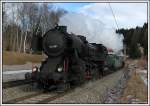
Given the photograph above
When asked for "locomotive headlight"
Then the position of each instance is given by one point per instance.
(60, 69)
(34, 69)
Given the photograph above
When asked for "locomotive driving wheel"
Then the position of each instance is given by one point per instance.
(101, 73)
(77, 75)
(62, 87)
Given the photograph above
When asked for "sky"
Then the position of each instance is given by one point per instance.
(128, 15)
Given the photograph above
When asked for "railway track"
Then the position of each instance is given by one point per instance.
(16, 100)
(56, 96)
(42, 97)
(15, 83)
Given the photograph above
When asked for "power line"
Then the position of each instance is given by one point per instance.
(113, 15)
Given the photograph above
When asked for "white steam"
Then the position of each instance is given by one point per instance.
(94, 30)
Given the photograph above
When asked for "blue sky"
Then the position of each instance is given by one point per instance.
(128, 15)
(72, 7)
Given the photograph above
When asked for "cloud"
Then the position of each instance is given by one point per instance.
(93, 29)
(127, 14)
(96, 21)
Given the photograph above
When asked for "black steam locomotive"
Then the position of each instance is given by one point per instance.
(71, 60)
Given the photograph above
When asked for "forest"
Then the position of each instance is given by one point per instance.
(135, 39)
(21, 21)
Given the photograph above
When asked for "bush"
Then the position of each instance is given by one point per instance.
(134, 52)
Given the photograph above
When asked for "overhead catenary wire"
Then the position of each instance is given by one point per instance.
(113, 15)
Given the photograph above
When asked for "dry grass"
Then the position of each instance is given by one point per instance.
(13, 58)
(136, 88)
(142, 62)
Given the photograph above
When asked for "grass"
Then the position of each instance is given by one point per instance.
(15, 58)
(142, 62)
(136, 88)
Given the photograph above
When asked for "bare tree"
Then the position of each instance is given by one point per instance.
(24, 20)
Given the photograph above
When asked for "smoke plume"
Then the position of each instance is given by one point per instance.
(93, 29)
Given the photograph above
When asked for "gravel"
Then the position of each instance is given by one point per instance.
(19, 91)
(93, 92)
(113, 95)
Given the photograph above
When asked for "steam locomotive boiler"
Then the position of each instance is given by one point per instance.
(71, 60)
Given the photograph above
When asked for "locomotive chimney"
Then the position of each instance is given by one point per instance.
(63, 28)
